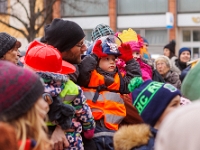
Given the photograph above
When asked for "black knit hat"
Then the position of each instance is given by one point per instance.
(63, 34)
(171, 46)
(6, 43)
(19, 90)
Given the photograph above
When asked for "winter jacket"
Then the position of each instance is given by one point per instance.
(62, 89)
(135, 137)
(90, 62)
(173, 78)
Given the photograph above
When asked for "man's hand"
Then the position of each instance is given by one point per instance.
(59, 139)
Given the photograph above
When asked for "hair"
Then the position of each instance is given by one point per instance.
(171, 54)
(31, 125)
(8, 140)
(165, 59)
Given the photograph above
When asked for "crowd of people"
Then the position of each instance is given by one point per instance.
(106, 95)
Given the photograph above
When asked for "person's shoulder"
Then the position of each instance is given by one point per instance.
(133, 136)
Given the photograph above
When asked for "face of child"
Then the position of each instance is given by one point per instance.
(136, 55)
(173, 105)
(108, 63)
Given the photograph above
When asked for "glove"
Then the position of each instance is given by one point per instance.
(89, 134)
(126, 52)
(61, 113)
(97, 49)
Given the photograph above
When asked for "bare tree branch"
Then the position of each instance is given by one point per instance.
(47, 15)
(27, 14)
(14, 16)
(8, 25)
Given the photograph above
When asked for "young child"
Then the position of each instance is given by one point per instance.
(103, 85)
(153, 107)
(23, 107)
(136, 43)
(48, 64)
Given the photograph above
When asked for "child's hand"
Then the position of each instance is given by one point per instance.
(97, 49)
(126, 52)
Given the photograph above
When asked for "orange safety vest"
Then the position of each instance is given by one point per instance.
(109, 105)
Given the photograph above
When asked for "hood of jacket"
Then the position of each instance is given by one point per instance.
(128, 137)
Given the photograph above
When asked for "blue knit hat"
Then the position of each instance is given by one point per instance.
(151, 98)
(184, 49)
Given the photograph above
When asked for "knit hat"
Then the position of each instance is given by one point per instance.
(190, 86)
(63, 34)
(101, 30)
(184, 49)
(165, 59)
(19, 90)
(6, 43)
(171, 46)
(151, 98)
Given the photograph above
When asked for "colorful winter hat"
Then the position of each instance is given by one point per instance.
(130, 36)
(19, 90)
(151, 98)
(101, 30)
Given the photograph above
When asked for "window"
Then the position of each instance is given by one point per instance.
(196, 35)
(142, 6)
(195, 52)
(88, 34)
(188, 6)
(3, 6)
(186, 36)
(191, 38)
(156, 37)
(72, 8)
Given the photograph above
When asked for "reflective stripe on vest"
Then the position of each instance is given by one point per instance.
(103, 134)
(109, 106)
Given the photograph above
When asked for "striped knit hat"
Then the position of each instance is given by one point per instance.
(19, 90)
(101, 30)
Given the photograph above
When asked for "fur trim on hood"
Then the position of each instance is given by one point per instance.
(128, 137)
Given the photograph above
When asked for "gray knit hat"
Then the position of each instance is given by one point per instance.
(101, 30)
(19, 90)
(6, 43)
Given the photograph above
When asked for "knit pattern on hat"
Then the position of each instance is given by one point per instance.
(19, 90)
(151, 99)
(6, 43)
(101, 30)
(63, 34)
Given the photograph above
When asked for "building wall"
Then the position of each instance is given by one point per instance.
(20, 12)
(148, 18)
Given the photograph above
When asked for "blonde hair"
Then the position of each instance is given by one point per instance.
(31, 125)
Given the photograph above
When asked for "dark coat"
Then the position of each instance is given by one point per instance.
(173, 78)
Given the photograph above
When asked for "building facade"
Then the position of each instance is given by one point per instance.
(146, 17)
